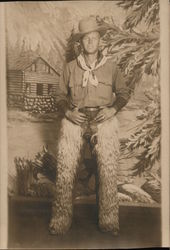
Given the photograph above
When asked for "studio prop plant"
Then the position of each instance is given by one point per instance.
(24, 169)
(28, 183)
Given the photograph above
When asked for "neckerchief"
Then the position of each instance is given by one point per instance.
(88, 74)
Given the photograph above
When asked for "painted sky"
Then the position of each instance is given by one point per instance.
(50, 23)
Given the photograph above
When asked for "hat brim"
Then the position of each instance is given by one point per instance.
(78, 36)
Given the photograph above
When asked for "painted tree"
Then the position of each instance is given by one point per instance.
(139, 54)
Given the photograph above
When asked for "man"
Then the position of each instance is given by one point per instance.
(87, 101)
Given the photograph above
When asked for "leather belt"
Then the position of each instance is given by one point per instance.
(88, 109)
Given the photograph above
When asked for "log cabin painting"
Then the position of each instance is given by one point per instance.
(31, 81)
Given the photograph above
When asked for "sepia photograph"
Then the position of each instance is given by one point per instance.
(84, 124)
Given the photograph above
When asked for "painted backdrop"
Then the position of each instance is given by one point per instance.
(37, 36)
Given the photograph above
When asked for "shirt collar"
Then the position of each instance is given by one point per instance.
(97, 61)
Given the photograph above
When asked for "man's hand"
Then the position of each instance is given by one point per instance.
(75, 116)
(105, 114)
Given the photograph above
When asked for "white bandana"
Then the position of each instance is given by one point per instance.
(89, 74)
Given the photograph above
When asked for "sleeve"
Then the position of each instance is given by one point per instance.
(121, 89)
(62, 95)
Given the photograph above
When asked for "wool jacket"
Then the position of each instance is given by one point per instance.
(111, 90)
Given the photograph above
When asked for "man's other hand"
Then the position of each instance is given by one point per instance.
(105, 114)
(76, 117)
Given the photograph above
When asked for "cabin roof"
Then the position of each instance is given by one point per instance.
(24, 61)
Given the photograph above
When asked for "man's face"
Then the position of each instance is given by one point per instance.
(90, 42)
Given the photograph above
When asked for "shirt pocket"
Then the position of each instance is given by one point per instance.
(104, 77)
(105, 90)
(105, 85)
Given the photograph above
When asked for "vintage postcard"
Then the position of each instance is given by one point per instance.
(84, 128)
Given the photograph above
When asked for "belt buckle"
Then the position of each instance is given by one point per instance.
(92, 108)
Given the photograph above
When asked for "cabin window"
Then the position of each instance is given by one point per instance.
(39, 89)
(50, 89)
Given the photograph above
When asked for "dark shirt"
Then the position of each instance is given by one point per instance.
(110, 91)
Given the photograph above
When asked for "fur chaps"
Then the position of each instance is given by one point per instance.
(68, 154)
(107, 153)
(106, 149)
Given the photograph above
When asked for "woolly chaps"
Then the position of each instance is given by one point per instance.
(106, 150)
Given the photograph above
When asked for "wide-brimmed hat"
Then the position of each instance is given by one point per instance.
(88, 25)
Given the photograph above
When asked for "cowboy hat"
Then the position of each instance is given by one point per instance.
(88, 25)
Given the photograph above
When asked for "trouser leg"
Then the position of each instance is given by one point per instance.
(107, 152)
(68, 154)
